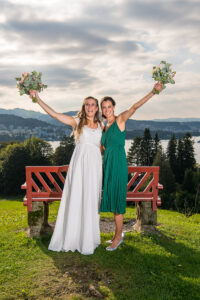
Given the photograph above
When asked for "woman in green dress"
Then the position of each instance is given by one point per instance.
(115, 164)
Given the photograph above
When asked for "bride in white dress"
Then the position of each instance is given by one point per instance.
(77, 224)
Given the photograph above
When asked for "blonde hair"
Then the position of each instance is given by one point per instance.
(83, 118)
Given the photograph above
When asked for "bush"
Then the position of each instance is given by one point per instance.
(12, 168)
(15, 157)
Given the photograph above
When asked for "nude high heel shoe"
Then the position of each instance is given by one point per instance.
(113, 249)
(110, 241)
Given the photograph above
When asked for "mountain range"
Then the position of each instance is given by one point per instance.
(46, 118)
(30, 114)
(30, 119)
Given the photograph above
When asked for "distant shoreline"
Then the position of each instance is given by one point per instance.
(164, 143)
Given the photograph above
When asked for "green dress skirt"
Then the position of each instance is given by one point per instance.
(115, 171)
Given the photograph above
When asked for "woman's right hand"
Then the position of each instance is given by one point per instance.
(34, 94)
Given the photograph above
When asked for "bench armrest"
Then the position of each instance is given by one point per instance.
(24, 186)
(160, 186)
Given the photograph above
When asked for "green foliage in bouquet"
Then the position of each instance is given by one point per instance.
(164, 74)
(30, 81)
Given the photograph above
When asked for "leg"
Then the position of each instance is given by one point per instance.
(118, 229)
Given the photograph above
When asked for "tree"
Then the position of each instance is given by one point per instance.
(188, 198)
(134, 152)
(172, 153)
(166, 177)
(156, 145)
(180, 161)
(185, 156)
(146, 148)
(40, 151)
(189, 159)
(63, 153)
(13, 159)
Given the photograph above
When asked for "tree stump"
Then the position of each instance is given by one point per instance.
(146, 218)
(38, 220)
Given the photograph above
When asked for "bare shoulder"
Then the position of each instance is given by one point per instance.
(120, 118)
(120, 122)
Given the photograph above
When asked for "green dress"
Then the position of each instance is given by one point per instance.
(115, 171)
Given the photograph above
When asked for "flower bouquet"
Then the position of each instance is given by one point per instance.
(164, 74)
(30, 81)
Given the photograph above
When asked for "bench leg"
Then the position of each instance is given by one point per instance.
(46, 228)
(146, 218)
(38, 220)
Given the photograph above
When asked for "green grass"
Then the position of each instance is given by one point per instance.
(165, 266)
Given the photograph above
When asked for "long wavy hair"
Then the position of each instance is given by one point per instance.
(83, 117)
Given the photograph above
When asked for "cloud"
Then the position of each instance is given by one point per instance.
(104, 48)
(53, 75)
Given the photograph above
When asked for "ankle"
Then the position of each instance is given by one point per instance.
(118, 237)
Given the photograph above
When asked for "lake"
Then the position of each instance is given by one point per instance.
(164, 143)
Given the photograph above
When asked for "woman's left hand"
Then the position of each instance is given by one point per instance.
(158, 87)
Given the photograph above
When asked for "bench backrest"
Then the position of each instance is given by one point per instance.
(45, 181)
(143, 182)
(48, 181)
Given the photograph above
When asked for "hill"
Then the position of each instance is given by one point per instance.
(27, 114)
(20, 118)
(170, 127)
(14, 128)
(172, 124)
(178, 120)
(11, 120)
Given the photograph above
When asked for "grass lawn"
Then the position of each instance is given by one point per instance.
(144, 267)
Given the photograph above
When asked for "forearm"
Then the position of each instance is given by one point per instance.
(142, 101)
(47, 108)
(68, 120)
(128, 113)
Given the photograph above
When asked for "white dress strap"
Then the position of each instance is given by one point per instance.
(77, 120)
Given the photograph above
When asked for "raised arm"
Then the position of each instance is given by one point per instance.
(124, 116)
(68, 120)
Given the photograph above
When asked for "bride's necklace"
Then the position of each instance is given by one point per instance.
(109, 124)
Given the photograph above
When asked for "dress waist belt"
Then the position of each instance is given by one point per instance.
(117, 147)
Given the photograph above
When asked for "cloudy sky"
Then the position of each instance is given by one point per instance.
(88, 47)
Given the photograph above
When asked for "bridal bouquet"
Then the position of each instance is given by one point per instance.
(164, 74)
(30, 81)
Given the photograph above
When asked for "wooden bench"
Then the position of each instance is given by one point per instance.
(45, 184)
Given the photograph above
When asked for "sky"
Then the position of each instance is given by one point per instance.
(102, 48)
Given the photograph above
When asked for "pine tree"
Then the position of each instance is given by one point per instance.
(180, 162)
(156, 145)
(134, 152)
(146, 148)
(172, 153)
(185, 156)
(188, 198)
(166, 177)
(189, 159)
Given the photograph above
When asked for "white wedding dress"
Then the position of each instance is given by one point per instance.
(77, 224)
